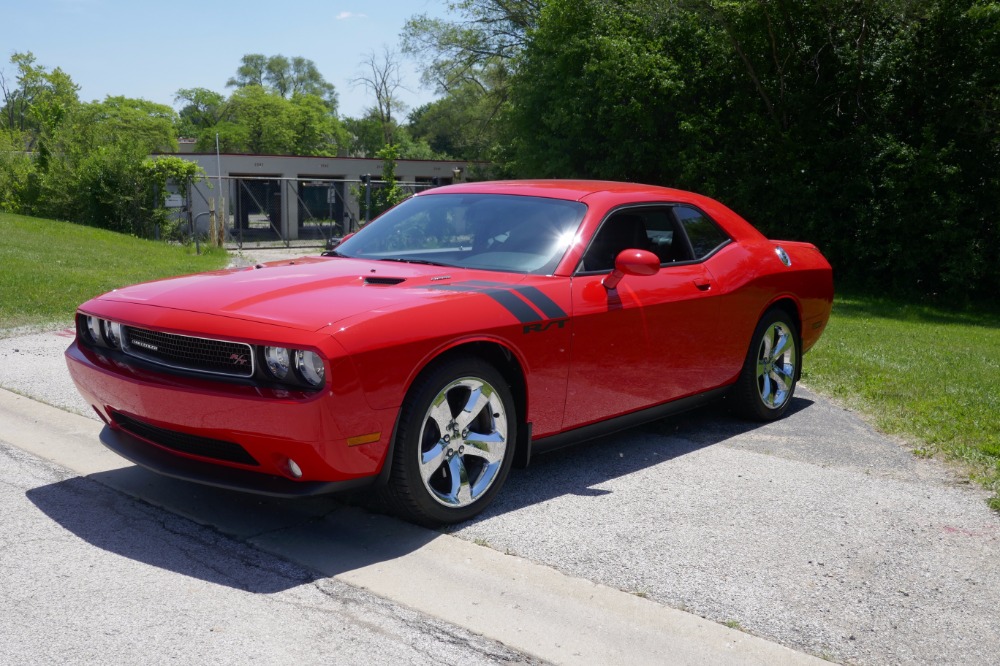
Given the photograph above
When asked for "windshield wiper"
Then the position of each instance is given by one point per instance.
(415, 261)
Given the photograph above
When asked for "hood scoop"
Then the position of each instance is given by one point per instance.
(384, 281)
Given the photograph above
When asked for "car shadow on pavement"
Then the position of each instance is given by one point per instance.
(324, 534)
(131, 528)
(577, 470)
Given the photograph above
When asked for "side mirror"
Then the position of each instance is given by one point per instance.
(631, 262)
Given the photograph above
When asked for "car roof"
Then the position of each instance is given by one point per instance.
(572, 190)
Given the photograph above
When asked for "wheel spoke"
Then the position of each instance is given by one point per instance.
(766, 392)
(781, 379)
(485, 478)
(473, 406)
(440, 413)
(432, 460)
(783, 339)
(485, 445)
(767, 343)
(460, 494)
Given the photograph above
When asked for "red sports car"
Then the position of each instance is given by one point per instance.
(462, 332)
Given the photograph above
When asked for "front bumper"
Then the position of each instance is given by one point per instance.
(183, 421)
(156, 459)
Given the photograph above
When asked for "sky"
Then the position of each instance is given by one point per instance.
(150, 50)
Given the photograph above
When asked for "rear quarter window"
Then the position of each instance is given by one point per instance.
(704, 234)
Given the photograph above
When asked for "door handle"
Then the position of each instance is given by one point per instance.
(703, 284)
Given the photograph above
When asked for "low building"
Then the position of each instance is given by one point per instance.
(284, 197)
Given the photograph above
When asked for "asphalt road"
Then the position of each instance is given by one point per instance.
(815, 532)
(91, 575)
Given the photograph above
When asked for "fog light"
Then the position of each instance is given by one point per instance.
(294, 469)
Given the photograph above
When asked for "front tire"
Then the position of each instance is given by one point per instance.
(771, 369)
(454, 445)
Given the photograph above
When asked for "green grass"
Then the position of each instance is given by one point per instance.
(926, 374)
(48, 268)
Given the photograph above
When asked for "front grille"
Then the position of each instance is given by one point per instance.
(217, 357)
(185, 443)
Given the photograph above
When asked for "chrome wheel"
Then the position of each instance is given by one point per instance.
(463, 442)
(776, 359)
(766, 385)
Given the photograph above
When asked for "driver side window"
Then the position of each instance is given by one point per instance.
(653, 229)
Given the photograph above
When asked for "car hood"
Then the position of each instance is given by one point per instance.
(306, 294)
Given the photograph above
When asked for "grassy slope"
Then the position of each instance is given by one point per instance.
(47, 268)
(929, 375)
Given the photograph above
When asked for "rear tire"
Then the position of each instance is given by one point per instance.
(454, 445)
(770, 372)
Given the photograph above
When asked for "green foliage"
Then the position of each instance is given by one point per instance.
(487, 35)
(284, 77)
(203, 109)
(602, 91)
(16, 171)
(461, 124)
(366, 135)
(389, 193)
(867, 128)
(150, 126)
(257, 121)
(470, 60)
(35, 96)
(51, 267)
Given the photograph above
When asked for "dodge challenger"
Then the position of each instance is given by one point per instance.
(464, 331)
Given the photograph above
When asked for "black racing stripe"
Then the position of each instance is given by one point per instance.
(514, 305)
(542, 302)
(505, 297)
(484, 284)
(533, 295)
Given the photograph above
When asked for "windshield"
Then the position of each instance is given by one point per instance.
(494, 232)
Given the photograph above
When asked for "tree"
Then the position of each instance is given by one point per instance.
(380, 76)
(471, 60)
(37, 99)
(203, 109)
(147, 125)
(366, 135)
(285, 77)
(315, 130)
(258, 121)
(261, 119)
(869, 128)
(17, 170)
(389, 193)
(463, 124)
(606, 90)
(488, 35)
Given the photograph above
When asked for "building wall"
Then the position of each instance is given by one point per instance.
(349, 169)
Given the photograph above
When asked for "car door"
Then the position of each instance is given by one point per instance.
(649, 340)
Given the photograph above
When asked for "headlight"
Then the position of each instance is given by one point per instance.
(94, 327)
(277, 359)
(310, 366)
(112, 331)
